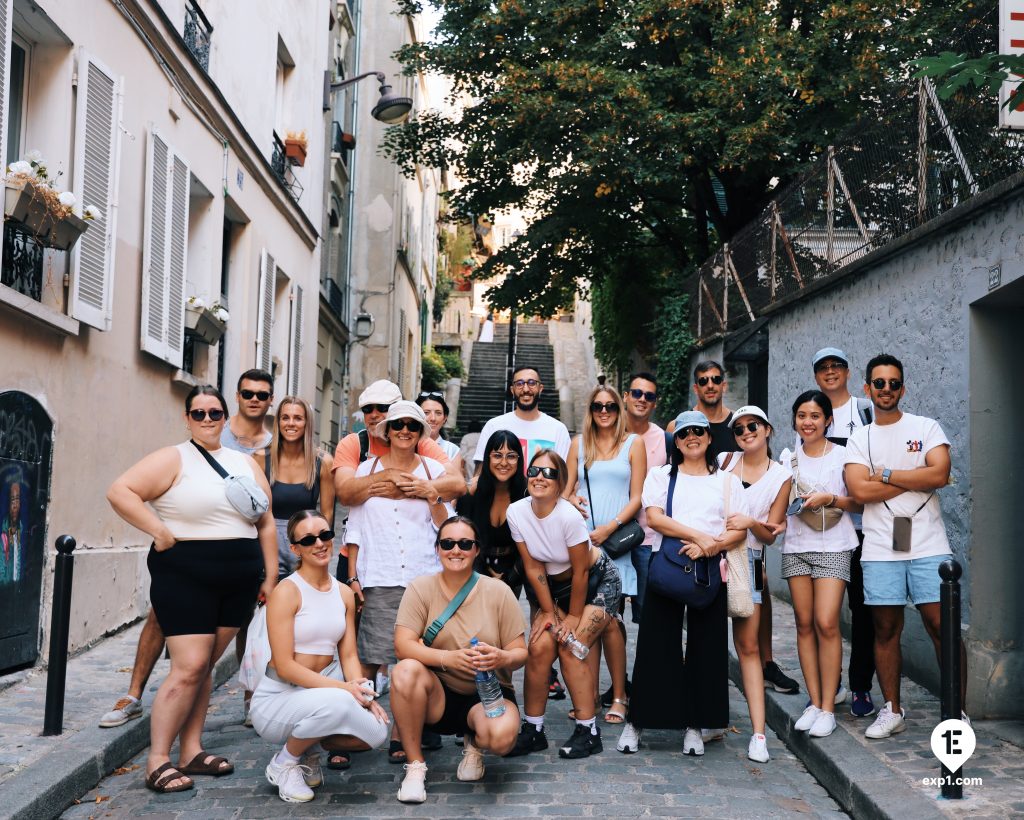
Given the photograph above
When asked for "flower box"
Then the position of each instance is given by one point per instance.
(347, 141)
(202, 325)
(25, 204)
(65, 232)
(295, 151)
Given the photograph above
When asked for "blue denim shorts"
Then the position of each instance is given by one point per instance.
(891, 583)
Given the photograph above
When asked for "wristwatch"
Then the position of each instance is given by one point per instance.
(350, 581)
(437, 502)
(886, 474)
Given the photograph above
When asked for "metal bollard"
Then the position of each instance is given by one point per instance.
(949, 666)
(60, 621)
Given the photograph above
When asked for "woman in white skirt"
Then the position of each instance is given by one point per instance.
(313, 690)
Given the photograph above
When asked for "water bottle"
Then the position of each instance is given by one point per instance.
(572, 643)
(489, 690)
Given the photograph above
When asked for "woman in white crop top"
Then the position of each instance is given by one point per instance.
(314, 689)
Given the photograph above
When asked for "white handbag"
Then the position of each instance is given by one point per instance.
(740, 600)
(253, 665)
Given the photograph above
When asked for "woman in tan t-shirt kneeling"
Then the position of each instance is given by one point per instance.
(435, 687)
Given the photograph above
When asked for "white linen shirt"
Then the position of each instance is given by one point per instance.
(395, 536)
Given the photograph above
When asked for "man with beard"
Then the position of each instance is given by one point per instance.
(894, 466)
(709, 385)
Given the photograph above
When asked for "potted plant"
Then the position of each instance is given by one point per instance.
(31, 198)
(348, 141)
(295, 145)
(202, 323)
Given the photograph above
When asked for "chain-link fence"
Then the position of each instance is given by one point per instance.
(916, 158)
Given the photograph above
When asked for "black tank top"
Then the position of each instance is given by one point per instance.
(289, 499)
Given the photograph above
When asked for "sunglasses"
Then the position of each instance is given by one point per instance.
(510, 457)
(751, 427)
(643, 394)
(703, 380)
(519, 384)
(604, 407)
(411, 425)
(433, 394)
(894, 384)
(691, 431)
(310, 540)
(464, 544)
(248, 395)
(380, 408)
(546, 472)
(200, 415)
(824, 366)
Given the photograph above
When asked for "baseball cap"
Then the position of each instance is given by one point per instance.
(380, 392)
(691, 418)
(830, 353)
(750, 410)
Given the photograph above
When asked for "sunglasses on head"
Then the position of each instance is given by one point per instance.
(411, 425)
(200, 415)
(751, 427)
(311, 539)
(691, 431)
(636, 393)
(519, 384)
(604, 407)
(821, 367)
(703, 380)
(433, 394)
(380, 408)
(894, 384)
(509, 456)
(546, 472)
(464, 544)
(248, 395)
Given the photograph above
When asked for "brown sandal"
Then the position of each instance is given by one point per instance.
(156, 783)
(212, 768)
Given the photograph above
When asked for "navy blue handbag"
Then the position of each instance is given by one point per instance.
(693, 582)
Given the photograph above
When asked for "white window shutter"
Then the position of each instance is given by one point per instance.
(6, 15)
(295, 355)
(154, 247)
(265, 316)
(177, 259)
(97, 160)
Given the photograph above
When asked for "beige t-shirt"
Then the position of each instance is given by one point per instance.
(490, 613)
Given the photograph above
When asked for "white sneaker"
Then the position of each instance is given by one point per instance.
(708, 735)
(315, 775)
(886, 724)
(127, 708)
(692, 743)
(841, 694)
(290, 782)
(472, 765)
(965, 719)
(629, 740)
(413, 789)
(757, 750)
(824, 724)
(806, 720)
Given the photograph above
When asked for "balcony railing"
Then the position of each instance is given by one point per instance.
(281, 168)
(198, 32)
(336, 146)
(22, 267)
(336, 299)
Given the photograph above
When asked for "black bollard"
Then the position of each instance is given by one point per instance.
(949, 667)
(60, 622)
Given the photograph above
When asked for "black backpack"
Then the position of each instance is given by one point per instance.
(364, 444)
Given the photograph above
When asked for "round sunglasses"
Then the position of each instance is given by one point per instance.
(200, 415)
(750, 426)
(703, 380)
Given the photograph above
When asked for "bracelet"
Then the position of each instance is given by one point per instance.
(835, 498)
(349, 581)
(616, 520)
(443, 653)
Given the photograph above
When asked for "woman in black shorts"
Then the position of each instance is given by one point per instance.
(205, 566)
(433, 687)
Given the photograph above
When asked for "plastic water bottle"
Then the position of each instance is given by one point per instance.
(572, 643)
(489, 690)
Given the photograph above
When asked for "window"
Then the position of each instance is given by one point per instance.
(16, 101)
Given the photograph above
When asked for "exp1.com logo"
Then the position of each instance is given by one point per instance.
(953, 743)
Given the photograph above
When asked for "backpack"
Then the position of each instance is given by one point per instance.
(364, 444)
(865, 410)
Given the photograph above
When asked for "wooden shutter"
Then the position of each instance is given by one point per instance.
(97, 160)
(177, 259)
(295, 355)
(265, 316)
(6, 15)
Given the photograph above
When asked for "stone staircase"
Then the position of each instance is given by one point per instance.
(483, 394)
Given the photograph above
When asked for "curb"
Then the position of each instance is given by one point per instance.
(51, 784)
(858, 781)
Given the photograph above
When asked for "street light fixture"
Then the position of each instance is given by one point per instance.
(390, 109)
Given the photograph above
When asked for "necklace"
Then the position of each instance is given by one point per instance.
(822, 465)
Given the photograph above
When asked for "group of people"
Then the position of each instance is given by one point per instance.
(431, 568)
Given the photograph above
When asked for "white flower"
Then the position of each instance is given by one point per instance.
(197, 302)
(35, 156)
(221, 314)
(20, 167)
(67, 199)
(92, 212)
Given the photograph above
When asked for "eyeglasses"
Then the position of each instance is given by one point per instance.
(433, 394)
(519, 384)
(691, 431)
(248, 395)
(411, 425)
(310, 540)
(512, 458)
(380, 408)
(546, 472)
(464, 544)
(703, 380)
(822, 367)
(894, 384)
(643, 394)
(604, 407)
(200, 415)
(752, 427)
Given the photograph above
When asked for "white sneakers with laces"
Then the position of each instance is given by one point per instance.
(824, 724)
(806, 720)
(472, 765)
(757, 750)
(413, 789)
(629, 740)
(290, 781)
(693, 745)
(887, 723)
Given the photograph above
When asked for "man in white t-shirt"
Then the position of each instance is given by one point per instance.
(535, 430)
(894, 466)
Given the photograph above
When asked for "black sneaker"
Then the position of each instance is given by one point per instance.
(529, 740)
(609, 694)
(431, 741)
(583, 743)
(555, 689)
(777, 679)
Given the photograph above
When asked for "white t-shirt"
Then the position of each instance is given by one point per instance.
(824, 474)
(760, 495)
(697, 501)
(541, 433)
(900, 446)
(548, 539)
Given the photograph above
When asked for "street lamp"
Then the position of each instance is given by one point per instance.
(390, 109)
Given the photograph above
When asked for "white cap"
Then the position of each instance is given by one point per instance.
(750, 410)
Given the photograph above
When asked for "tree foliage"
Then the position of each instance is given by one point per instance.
(958, 72)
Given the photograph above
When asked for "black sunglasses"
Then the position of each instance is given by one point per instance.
(464, 544)
(894, 384)
(752, 427)
(636, 393)
(380, 408)
(605, 407)
(691, 431)
(200, 415)
(411, 425)
(248, 395)
(547, 472)
(703, 380)
(310, 540)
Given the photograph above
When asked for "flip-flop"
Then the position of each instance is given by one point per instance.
(339, 761)
(396, 754)
(158, 784)
(213, 768)
(614, 717)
